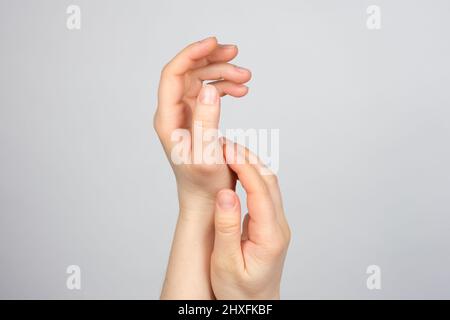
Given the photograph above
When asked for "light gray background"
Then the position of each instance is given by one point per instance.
(363, 118)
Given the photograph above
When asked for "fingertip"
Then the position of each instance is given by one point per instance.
(214, 39)
(223, 53)
(250, 74)
(230, 49)
(203, 47)
(243, 90)
(208, 95)
(244, 74)
(226, 199)
(227, 87)
(211, 40)
(237, 91)
(228, 46)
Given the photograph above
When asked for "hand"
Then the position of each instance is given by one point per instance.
(248, 265)
(183, 103)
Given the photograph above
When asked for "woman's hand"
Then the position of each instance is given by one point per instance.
(247, 263)
(185, 105)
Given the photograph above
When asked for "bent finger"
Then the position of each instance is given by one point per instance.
(225, 87)
(218, 71)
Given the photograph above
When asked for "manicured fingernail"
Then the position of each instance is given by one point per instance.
(226, 199)
(240, 69)
(208, 95)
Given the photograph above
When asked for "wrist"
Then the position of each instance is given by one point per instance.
(197, 206)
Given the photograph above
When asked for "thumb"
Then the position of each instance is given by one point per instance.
(207, 108)
(227, 243)
(205, 120)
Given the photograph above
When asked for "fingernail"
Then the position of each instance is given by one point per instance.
(208, 95)
(206, 39)
(226, 199)
(240, 69)
(227, 46)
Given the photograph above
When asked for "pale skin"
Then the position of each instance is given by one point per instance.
(247, 261)
(204, 263)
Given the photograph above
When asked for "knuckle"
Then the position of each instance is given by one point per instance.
(165, 70)
(272, 179)
(278, 246)
(227, 226)
(206, 115)
(204, 169)
(288, 236)
(286, 231)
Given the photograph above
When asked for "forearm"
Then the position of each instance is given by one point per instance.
(188, 270)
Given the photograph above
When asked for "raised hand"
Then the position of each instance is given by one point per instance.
(184, 103)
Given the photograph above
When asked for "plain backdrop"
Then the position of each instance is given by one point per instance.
(364, 141)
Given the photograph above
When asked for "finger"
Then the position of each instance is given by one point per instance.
(230, 88)
(223, 53)
(189, 56)
(207, 110)
(218, 71)
(272, 184)
(237, 159)
(269, 178)
(171, 83)
(205, 121)
(227, 223)
(259, 201)
(245, 228)
(275, 193)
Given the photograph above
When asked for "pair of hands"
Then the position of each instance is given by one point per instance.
(212, 255)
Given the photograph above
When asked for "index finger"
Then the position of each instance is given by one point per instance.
(259, 201)
(172, 83)
(187, 57)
